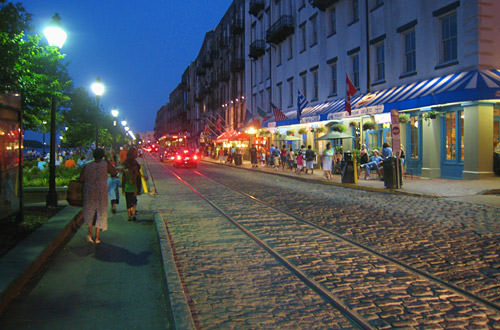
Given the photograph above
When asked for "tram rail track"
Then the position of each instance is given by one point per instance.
(445, 295)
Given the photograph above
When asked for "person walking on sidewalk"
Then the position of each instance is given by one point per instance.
(327, 161)
(131, 182)
(253, 156)
(113, 185)
(310, 155)
(95, 195)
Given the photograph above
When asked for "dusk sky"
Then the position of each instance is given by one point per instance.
(139, 49)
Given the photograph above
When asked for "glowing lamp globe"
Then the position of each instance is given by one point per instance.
(55, 36)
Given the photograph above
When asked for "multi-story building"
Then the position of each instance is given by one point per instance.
(427, 59)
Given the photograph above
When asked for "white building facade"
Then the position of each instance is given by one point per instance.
(436, 61)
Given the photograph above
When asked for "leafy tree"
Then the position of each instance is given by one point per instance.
(35, 71)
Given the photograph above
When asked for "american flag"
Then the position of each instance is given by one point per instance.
(350, 92)
(301, 103)
(278, 114)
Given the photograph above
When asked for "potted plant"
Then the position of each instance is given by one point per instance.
(290, 132)
(320, 130)
(369, 125)
(302, 131)
(337, 127)
(404, 118)
(428, 115)
(353, 124)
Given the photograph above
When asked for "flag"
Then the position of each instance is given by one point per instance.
(262, 114)
(350, 92)
(301, 103)
(278, 114)
(218, 124)
(248, 116)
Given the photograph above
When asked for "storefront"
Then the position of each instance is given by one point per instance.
(451, 122)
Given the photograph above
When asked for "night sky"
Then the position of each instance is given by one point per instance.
(139, 49)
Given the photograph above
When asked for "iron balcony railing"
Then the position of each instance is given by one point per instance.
(322, 4)
(280, 30)
(256, 6)
(257, 48)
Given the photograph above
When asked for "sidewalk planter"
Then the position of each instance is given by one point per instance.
(39, 194)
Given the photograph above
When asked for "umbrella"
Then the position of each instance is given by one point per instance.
(335, 135)
(287, 138)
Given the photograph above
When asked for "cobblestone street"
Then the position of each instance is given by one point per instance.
(433, 253)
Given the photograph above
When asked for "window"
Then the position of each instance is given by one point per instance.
(355, 70)
(454, 131)
(303, 78)
(254, 100)
(414, 151)
(261, 97)
(278, 54)
(261, 69)
(332, 21)
(290, 92)
(333, 79)
(354, 11)
(410, 59)
(302, 37)
(314, 30)
(380, 62)
(290, 47)
(280, 95)
(449, 38)
(315, 84)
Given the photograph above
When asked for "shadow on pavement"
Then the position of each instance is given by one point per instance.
(111, 253)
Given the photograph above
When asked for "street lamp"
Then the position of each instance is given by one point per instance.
(98, 89)
(56, 38)
(43, 138)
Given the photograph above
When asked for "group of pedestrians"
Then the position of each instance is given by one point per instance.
(98, 188)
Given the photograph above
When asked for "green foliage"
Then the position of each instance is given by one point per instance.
(338, 127)
(36, 72)
(34, 177)
(404, 117)
(302, 130)
(369, 125)
(290, 132)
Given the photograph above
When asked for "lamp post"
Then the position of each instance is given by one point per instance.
(43, 137)
(98, 89)
(56, 38)
(114, 113)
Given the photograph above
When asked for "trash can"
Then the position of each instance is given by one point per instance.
(496, 163)
(348, 168)
(392, 173)
(238, 159)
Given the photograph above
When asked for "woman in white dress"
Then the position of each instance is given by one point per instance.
(327, 161)
(95, 194)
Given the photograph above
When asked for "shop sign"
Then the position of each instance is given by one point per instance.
(312, 119)
(396, 136)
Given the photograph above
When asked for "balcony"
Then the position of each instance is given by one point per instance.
(280, 30)
(257, 49)
(256, 6)
(237, 26)
(237, 65)
(322, 4)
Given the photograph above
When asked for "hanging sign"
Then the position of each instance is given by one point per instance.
(396, 136)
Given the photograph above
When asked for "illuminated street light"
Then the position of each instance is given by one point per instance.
(98, 89)
(124, 123)
(56, 38)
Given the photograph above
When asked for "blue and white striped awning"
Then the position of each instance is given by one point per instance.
(458, 87)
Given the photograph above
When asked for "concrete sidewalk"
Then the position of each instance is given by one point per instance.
(118, 284)
(472, 191)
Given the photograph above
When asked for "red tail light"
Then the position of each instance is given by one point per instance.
(195, 157)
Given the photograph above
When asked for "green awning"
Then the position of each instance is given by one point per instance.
(335, 135)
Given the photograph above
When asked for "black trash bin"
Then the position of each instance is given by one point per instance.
(348, 168)
(496, 163)
(238, 159)
(392, 173)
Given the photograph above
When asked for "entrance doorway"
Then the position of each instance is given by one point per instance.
(452, 144)
(414, 145)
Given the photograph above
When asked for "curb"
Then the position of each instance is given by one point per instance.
(338, 184)
(181, 313)
(21, 263)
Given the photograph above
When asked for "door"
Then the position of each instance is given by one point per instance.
(414, 145)
(452, 144)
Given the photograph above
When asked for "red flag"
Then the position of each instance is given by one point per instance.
(218, 124)
(278, 114)
(350, 92)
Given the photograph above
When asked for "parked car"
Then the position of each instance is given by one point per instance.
(186, 158)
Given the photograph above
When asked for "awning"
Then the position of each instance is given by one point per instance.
(334, 135)
(458, 87)
(287, 138)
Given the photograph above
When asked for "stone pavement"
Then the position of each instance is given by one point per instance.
(117, 284)
(464, 190)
